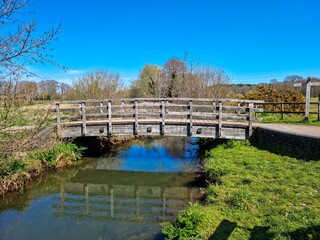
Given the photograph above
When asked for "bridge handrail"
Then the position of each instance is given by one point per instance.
(162, 110)
(160, 99)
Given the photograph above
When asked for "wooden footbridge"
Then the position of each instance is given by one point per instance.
(196, 117)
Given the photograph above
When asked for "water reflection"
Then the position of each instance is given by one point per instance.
(123, 196)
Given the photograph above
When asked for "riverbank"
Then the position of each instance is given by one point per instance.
(17, 171)
(253, 194)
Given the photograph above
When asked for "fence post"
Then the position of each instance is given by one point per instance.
(250, 119)
(308, 91)
(319, 107)
(58, 119)
(282, 111)
(109, 118)
(83, 116)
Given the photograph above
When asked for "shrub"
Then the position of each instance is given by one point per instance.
(269, 93)
(61, 154)
(186, 225)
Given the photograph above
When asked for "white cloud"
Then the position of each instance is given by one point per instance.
(74, 71)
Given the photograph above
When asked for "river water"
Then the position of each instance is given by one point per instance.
(122, 195)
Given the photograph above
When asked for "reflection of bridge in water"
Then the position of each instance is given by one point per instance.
(126, 196)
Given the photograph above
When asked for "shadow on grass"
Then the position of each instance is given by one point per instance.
(261, 233)
(310, 233)
(225, 229)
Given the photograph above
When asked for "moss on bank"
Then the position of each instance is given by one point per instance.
(253, 194)
(16, 171)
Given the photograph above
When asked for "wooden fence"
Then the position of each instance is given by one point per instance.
(280, 108)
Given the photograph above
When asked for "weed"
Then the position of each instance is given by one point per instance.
(186, 225)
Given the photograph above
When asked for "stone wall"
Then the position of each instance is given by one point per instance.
(284, 143)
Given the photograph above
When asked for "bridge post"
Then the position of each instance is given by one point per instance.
(190, 117)
(83, 116)
(220, 119)
(162, 116)
(136, 124)
(109, 118)
(58, 119)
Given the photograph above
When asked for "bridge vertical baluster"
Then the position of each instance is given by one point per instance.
(238, 105)
(58, 119)
(136, 117)
(220, 119)
(190, 117)
(162, 116)
(109, 118)
(122, 106)
(101, 107)
(83, 116)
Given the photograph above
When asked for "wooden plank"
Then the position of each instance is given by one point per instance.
(159, 100)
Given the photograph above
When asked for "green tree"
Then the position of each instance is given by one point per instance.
(149, 83)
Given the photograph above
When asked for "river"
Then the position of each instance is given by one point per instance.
(124, 194)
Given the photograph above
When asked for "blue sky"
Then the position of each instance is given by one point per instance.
(252, 40)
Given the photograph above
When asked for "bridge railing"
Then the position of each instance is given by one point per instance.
(160, 110)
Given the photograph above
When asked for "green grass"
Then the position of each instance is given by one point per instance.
(25, 115)
(15, 171)
(254, 194)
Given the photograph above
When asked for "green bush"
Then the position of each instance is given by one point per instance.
(67, 151)
(186, 225)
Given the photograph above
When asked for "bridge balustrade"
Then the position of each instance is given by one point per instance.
(201, 117)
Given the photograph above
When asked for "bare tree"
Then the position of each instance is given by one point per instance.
(20, 46)
(98, 84)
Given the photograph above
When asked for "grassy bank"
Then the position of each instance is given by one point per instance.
(253, 194)
(16, 171)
